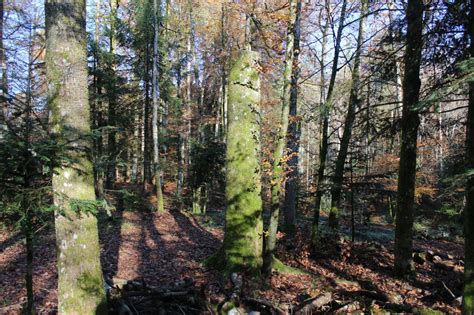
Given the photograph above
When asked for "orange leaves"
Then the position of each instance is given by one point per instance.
(422, 191)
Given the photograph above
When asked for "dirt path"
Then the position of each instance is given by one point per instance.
(158, 248)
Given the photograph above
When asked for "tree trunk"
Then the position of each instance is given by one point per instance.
(97, 119)
(408, 150)
(27, 181)
(156, 105)
(277, 171)
(325, 136)
(112, 95)
(325, 139)
(293, 136)
(80, 284)
(468, 300)
(146, 124)
(242, 246)
(3, 70)
(181, 136)
(322, 97)
(223, 72)
(354, 102)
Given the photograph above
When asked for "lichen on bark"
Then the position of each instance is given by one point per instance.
(80, 283)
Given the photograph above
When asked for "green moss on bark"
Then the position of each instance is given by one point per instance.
(242, 246)
(80, 283)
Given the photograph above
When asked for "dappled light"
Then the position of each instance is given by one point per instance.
(236, 157)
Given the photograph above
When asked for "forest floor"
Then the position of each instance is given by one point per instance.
(160, 249)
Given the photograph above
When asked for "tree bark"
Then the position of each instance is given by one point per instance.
(277, 170)
(156, 105)
(242, 246)
(293, 135)
(146, 123)
(27, 181)
(468, 294)
(223, 104)
(112, 95)
(96, 111)
(3, 65)
(325, 139)
(354, 102)
(408, 150)
(80, 283)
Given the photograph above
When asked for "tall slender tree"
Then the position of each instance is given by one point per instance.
(112, 97)
(80, 284)
(408, 150)
(324, 146)
(468, 294)
(354, 102)
(3, 70)
(156, 106)
(277, 170)
(293, 135)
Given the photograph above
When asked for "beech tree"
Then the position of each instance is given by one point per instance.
(246, 116)
(80, 284)
(242, 245)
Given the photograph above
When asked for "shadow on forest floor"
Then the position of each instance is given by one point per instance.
(13, 271)
(161, 249)
(363, 271)
(156, 248)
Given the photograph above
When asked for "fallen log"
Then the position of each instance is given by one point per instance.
(348, 308)
(314, 304)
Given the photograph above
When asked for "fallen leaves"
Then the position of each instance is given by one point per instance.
(166, 248)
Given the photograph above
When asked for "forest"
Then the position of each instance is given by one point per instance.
(236, 156)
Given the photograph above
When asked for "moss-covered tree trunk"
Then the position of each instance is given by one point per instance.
(80, 284)
(468, 294)
(277, 169)
(242, 246)
(408, 149)
(354, 102)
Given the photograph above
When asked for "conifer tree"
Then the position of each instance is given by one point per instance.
(468, 294)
